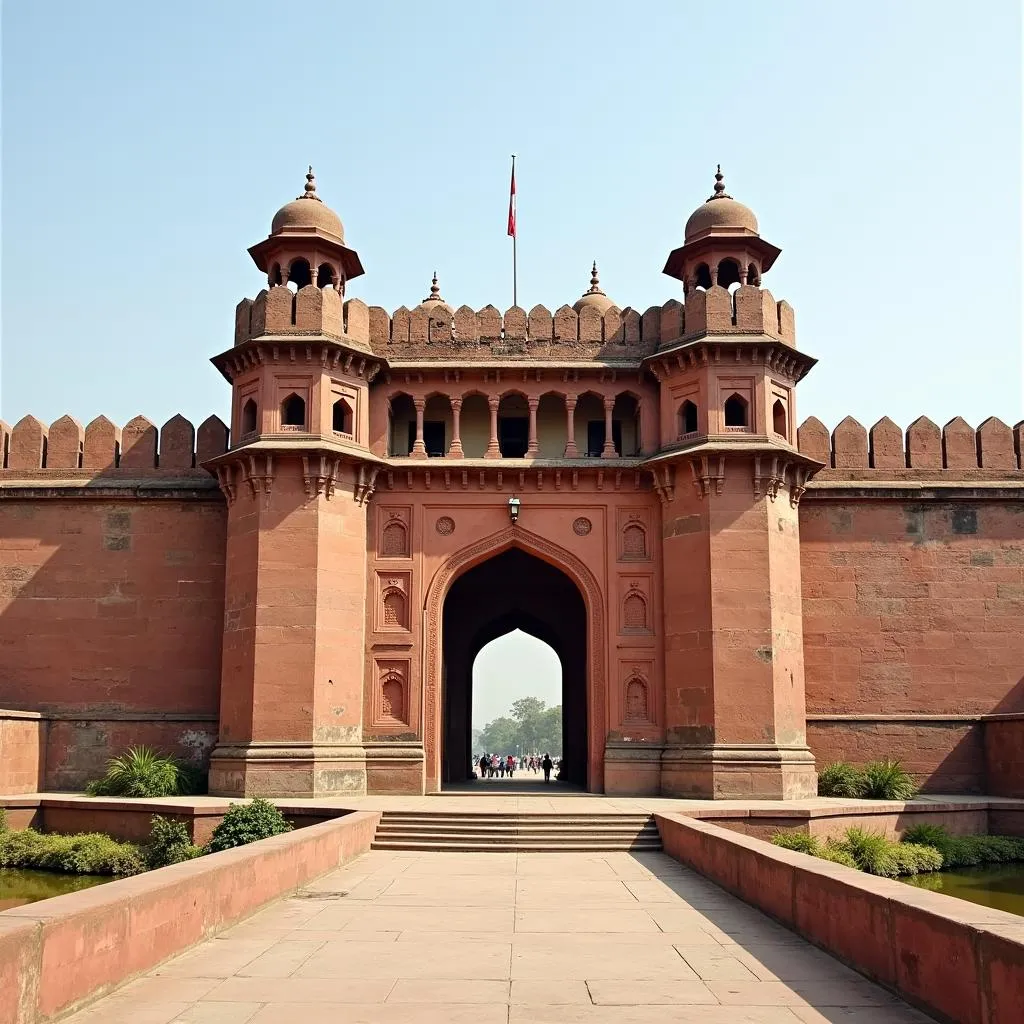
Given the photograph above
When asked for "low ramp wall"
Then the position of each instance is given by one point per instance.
(60, 953)
(959, 962)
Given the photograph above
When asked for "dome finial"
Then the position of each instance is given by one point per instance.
(309, 192)
(435, 291)
(595, 284)
(720, 192)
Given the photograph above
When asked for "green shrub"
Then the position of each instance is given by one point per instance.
(912, 858)
(802, 842)
(926, 835)
(836, 854)
(969, 851)
(840, 779)
(247, 823)
(886, 780)
(144, 772)
(88, 854)
(3, 819)
(169, 843)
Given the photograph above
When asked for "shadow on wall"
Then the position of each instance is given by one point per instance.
(112, 589)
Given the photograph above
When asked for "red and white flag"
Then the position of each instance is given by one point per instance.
(512, 203)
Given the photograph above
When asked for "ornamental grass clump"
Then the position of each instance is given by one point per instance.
(144, 772)
(87, 854)
(840, 779)
(887, 780)
(871, 852)
(247, 823)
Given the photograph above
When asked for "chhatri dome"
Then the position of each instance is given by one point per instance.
(433, 303)
(308, 213)
(593, 298)
(720, 213)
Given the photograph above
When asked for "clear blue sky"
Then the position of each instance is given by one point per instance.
(145, 146)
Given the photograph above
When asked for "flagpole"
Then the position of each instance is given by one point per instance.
(515, 267)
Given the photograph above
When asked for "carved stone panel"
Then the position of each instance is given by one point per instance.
(394, 529)
(393, 601)
(634, 534)
(391, 695)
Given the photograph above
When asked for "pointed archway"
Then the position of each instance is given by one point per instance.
(588, 591)
(513, 590)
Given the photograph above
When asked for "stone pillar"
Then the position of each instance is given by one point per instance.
(571, 451)
(532, 448)
(493, 449)
(455, 448)
(291, 695)
(608, 451)
(419, 449)
(735, 712)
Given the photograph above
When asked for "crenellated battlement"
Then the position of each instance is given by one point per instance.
(139, 447)
(993, 449)
(426, 332)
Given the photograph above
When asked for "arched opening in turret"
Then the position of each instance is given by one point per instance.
(341, 417)
(274, 277)
(626, 424)
(753, 276)
(728, 273)
(513, 426)
(299, 274)
(293, 412)
(687, 418)
(779, 418)
(249, 417)
(402, 424)
(736, 407)
(325, 276)
(703, 277)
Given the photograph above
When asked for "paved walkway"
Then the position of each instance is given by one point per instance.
(504, 938)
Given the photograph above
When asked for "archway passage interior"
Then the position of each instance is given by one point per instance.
(513, 590)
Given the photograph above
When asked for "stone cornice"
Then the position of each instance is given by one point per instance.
(917, 490)
(514, 474)
(341, 354)
(709, 349)
(47, 486)
(775, 465)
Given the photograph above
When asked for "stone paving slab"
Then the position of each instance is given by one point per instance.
(613, 938)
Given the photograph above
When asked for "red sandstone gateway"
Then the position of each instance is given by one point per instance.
(726, 594)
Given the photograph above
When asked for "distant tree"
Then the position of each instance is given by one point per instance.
(529, 728)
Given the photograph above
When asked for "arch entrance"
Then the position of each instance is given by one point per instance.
(513, 589)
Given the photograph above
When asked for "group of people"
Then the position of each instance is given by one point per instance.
(491, 765)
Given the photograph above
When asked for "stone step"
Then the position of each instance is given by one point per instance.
(516, 832)
(472, 826)
(526, 846)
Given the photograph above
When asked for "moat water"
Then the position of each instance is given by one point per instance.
(999, 885)
(18, 887)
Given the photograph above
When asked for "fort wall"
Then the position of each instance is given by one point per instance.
(912, 564)
(111, 591)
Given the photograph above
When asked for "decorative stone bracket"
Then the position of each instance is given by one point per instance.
(708, 471)
(258, 473)
(664, 482)
(773, 468)
(320, 475)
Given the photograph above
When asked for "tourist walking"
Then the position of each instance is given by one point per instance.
(547, 766)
